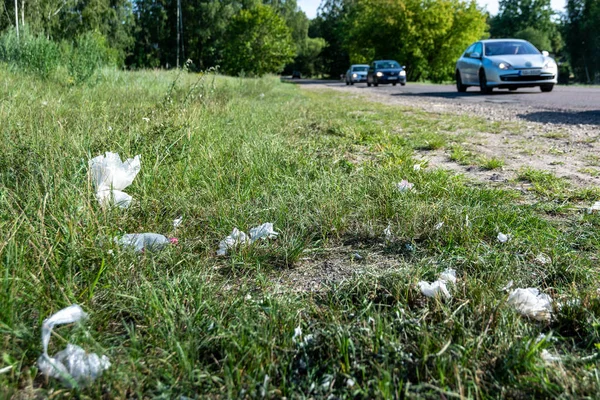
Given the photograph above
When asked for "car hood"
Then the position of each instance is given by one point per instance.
(359, 72)
(521, 60)
(388, 70)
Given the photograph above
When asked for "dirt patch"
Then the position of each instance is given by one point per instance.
(333, 265)
(567, 150)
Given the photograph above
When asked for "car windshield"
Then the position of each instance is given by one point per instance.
(388, 64)
(508, 48)
(360, 69)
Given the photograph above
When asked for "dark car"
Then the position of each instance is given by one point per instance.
(296, 75)
(386, 71)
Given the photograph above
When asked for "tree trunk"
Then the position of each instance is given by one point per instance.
(23, 13)
(17, 16)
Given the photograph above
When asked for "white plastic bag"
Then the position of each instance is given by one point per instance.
(531, 303)
(404, 186)
(502, 238)
(73, 366)
(110, 176)
(239, 238)
(145, 241)
(236, 238)
(439, 286)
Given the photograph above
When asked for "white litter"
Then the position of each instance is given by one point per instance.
(417, 167)
(439, 286)
(73, 366)
(438, 226)
(502, 238)
(145, 241)
(350, 382)
(239, 238)
(549, 357)
(297, 334)
(264, 231)
(177, 222)
(387, 232)
(543, 259)
(404, 185)
(508, 286)
(594, 208)
(110, 176)
(531, 303)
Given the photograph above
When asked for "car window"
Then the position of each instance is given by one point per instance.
(509, 47)
(360, 69)
(478, 48)
(388, 65)
(469, 50)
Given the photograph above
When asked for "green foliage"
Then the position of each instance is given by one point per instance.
(34, 54)
(308, 60)
(86, 55)
(582, 39)
(536, 37)
(258, 42)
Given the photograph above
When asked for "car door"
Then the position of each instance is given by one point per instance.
(461, 64)
(371, 72)
(473, 63)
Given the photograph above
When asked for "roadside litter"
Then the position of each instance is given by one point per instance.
(145, 241)
(239, 238)
(177, 222)
(502, 238)
(110, 176)
(72, 366)
(531, 303)
(404, 186)
(594, 208)
(439, 286)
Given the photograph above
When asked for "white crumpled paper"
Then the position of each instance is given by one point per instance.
(404, 186)
(531, 303)
(594, 208)
(110, 176)
(439, 286)
(239, 238)
(502, 238)
(145, 241)
(73, 366)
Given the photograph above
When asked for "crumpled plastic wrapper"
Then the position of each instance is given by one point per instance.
(72, 366)
(439, 286)
(145, 241)
(502, 238)
(531, 303)
(404, 186)
(110, 176)
(239, 238)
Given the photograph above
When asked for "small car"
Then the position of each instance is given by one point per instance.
(386, 71)
(296, 75)
(505, 64)
(356, 73)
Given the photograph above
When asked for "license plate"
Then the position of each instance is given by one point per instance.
(531, 71)
(391, 78)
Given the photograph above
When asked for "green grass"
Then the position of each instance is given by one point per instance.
(491, 163)
(224, 153)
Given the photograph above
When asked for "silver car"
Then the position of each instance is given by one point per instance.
(356, 73)
(505, 64)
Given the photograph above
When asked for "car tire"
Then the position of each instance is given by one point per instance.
(347, 83)
(513, 89)
(375, 83)
(352, 83)
(403, 84)
(483, 86)
(393, 84)
(459, 85)
(368, 84)
(547, 88)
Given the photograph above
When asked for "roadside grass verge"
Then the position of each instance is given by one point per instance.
(225, 153)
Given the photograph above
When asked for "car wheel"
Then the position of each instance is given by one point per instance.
(375, 83)
(483, 86)
(368, 84)
(393, 84)
(513, 89)
(347, 83)
(402, 84)
(546, 88)
(352, 83)
(459, 85)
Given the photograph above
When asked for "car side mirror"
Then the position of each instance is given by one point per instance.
(404, 67)
(545, 53)
(475, 55)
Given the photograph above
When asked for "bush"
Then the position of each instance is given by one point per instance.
(86, 55)
(34, 54)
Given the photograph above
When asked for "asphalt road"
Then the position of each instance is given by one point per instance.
(578, 104)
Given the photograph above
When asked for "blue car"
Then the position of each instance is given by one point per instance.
(386, 71)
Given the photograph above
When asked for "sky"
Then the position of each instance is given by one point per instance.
(310, 6)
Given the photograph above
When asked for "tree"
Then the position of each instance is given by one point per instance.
(258, 42)
(582, 38)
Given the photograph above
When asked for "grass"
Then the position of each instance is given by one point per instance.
(227, 152)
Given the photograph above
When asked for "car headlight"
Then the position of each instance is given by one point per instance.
(379, 74)
(402, 73)
(354, 75)
(504, 65)
(550, 65)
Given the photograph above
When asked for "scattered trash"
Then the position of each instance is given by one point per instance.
(357, 257)
(502, 238)
(264, 231)
(110, 176)
(508, 286)
(439, 286)
(145, 241)
(404, 185)
(73, 366)
(297, 334)
(177, 222)
(438, 226)
(146, 119)
(417, 167)
(239, 238)
(549, 357)
(5, 369)
(543, 259)
(350, 382)
(388, 233)
(594, 208)
(467, 221)
(531, 303)
(109, 128)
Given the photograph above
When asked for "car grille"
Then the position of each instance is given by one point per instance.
(528, 78)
